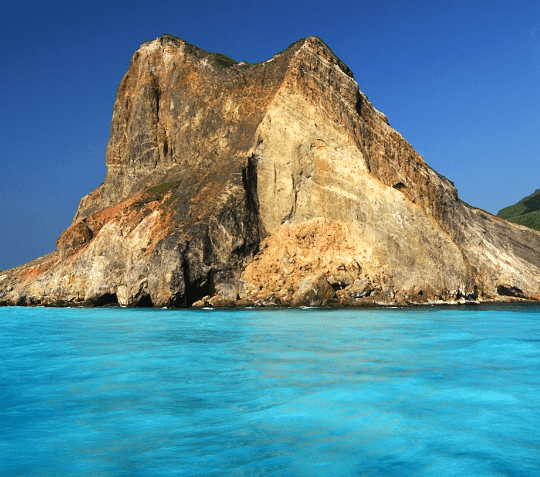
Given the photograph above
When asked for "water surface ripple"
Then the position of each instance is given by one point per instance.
(397, 392)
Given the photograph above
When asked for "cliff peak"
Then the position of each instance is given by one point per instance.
(319, 47)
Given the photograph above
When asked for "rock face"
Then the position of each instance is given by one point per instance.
(276, 183)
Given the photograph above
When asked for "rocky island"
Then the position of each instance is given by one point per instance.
(269, 184)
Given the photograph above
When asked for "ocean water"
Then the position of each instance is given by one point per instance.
(384, 392)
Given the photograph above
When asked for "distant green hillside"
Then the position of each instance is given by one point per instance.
(525, 212)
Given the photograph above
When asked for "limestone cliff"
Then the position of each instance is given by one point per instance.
(274, 183)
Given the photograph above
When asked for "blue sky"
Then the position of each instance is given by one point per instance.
(458, 79)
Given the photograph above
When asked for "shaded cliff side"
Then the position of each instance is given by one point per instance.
(275, 183)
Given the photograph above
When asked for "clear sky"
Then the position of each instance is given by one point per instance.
(458, 79)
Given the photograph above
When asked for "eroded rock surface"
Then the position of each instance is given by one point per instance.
(269, 184)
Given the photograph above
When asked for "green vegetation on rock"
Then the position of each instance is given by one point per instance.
(163, 187)
(531, 220)
(223, 61)
(525, 212)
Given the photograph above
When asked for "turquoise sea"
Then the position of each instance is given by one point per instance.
(305, 392)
